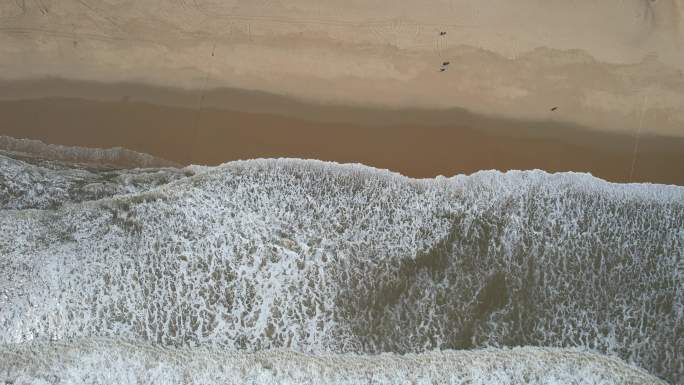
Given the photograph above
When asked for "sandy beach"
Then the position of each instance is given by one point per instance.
(417, 143)
(586, 86)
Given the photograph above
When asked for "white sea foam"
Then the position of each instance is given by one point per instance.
(47, 184)
(320, 257)
(118, 362)
(117, 156)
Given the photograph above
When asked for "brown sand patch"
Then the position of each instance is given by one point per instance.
(214, 136)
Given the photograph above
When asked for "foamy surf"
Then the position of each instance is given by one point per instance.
(103, 361)
(115, 157)
(324, 258)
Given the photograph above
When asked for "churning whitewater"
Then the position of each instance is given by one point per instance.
(211, 268)
(109, 362)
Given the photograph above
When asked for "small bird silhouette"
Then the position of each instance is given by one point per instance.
(442, 69)
(442, 33)
(554, 108)
(446, 63)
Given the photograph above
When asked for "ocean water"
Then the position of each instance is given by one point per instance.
(333, 264)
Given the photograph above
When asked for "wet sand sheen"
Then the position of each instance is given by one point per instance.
(214, 135)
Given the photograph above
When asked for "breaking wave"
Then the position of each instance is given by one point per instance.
(324, 258)
(123, 362)
(116, 156)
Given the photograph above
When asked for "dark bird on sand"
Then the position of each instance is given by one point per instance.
(446, 63)
(554, 108)
(442, 33)
(442, 69)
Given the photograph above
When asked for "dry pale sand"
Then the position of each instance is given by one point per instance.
(604, 63)
(419, 143)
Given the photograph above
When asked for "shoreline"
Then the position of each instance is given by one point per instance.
(455, 142)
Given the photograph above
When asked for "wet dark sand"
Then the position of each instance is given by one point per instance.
(414, 143)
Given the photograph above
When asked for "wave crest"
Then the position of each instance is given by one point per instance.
(111, 362)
